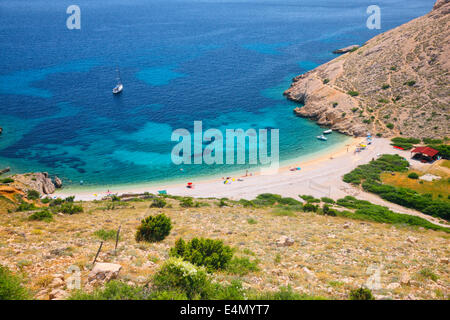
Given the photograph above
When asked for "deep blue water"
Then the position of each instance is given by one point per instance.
(223, 62)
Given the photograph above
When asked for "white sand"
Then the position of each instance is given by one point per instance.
(321, 177)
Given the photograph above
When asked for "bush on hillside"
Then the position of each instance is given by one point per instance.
(43, 215)
(361, 294)
(212, 254)
(158, 203)
(154, 228)
(11, 286)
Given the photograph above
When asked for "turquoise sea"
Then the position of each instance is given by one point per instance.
(225, 63)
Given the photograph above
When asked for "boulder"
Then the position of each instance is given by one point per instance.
(285, 241)
(57, 294)
(1, 130)
(57, 182)
(412, 239)
(2, 171)
(104, 271)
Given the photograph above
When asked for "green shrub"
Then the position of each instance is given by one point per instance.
(309, 207)
(374, 168)
(285, 293)
(390, 126)
(432, 141)
(385, 86)
(106, 235)
(11, 286)
(6, 180)
(177, 274)
(242, 266)
(327, 200)
(70, 208)
(325, 81)
(33, 194)
(361, 294)
(371, 212)
(212, 254)
(188, 202)
(309, 199)
(429, 274)
(410, 83)
(154, 228)
(252, 221)
(353, 93)
(328, 211)
(25, 206)
(44, 215)
(158, 203)
(113, 290)
(413, 175)
(168, 295)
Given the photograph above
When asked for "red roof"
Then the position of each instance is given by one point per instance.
(426, 151)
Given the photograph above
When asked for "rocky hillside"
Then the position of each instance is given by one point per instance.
(396, 83)
(315, 254)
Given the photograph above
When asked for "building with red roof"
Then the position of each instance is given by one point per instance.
(425, 154)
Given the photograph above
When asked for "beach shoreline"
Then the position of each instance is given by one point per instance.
(90, 193)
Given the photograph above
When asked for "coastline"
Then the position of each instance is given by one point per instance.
(89, 193)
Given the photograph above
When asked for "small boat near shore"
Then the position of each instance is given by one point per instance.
(322, 137)
(328, 131)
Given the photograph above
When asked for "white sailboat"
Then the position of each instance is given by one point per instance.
(322, 137)
(328, 131)
(119, 87)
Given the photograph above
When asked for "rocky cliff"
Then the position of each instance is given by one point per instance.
(396, 83)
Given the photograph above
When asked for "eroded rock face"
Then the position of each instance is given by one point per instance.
(39, 181)
(395, 83)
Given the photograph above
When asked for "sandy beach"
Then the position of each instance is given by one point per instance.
(320, 177)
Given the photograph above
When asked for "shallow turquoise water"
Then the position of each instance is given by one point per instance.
(224, 63)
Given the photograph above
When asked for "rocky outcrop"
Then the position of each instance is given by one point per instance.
(396, 83)
(2, 171)
(39, 181)
(1, 130)
(346, 49)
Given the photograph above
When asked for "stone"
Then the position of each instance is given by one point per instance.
(412, 239)
(57, 182)
(405, 279)
(57, 294)
(443, 260)
(285, 241)
(309, 273)
(57, 282)
(393, 286)
(104, 271)
(346, 225)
